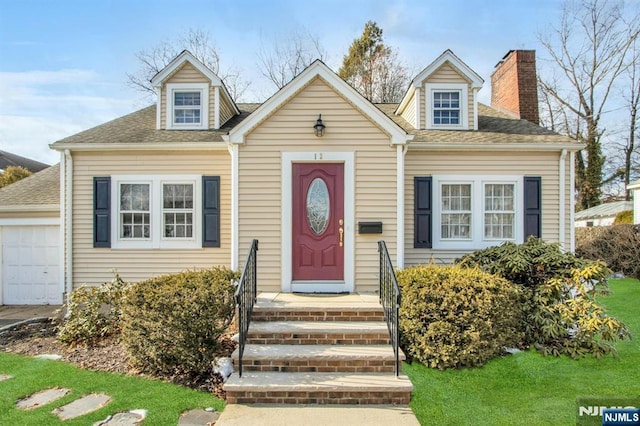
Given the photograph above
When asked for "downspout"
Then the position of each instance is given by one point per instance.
(63, 225)
(68, 175)
(401, 150)
(563, 188)
(233, 150)
(572, 202)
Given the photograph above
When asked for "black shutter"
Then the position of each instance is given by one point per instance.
(532, 206)
(422, 212)
(102, 211)
(210, 211)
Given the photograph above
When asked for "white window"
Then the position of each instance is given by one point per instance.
(156, 211)
(472, 212)
(456, 211)
(446, 106)
(499, 211)
(187, 106)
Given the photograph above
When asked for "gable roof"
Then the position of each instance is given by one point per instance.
(604, 210)
(319, 69)
(41, 189)
(8, 159)
(446, 56)
(179, 61)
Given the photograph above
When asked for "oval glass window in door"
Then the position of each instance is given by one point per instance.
(318, 206)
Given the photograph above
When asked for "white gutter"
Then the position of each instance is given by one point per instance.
(401, 150)
(155, 146)
(68, 176)
(63, 223)
(233, 150)
(563, 188)
(471, 146)
(572, 202)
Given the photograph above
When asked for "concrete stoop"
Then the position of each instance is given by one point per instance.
(318, 350)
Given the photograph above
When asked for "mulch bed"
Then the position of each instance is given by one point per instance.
(107, 354)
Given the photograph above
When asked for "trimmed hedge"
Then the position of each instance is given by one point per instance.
(618, 246)
(171, 325)
(456, 317)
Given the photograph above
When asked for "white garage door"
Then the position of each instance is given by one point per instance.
(31, 265)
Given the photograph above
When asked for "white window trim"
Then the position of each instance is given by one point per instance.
(430, 88)
(477, 240)
(157, 239)
(203, 88)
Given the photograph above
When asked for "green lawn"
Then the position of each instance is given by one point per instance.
(530, 389)
(163, 401)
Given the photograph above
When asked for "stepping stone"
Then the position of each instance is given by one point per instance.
(41, 398)
(82, 406)
(198, 417)
(4, 377)
(129, 418)
(52, 357)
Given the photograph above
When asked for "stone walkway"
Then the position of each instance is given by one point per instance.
(89, 403)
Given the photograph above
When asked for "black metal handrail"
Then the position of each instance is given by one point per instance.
(245, 298)
(390, 300)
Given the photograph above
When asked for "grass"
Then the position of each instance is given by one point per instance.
(528, 388)
(163, 401)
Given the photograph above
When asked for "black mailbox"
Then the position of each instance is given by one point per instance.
(369, 227)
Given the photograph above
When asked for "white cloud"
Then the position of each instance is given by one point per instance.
(40, 107)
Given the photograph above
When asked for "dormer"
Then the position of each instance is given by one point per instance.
(191, 96)
(443, 96)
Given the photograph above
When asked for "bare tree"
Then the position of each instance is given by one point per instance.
(285, 58)
(196, 41)
(372, 67)
(632, 99)
(590, 49)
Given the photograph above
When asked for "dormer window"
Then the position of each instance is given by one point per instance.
(187, 106)
(446, 106)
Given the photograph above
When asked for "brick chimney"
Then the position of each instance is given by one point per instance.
(514, 85)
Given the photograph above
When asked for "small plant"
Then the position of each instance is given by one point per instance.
(625, 217)
(171, 324)
(93, 313)
(456, 317)
(560, 314)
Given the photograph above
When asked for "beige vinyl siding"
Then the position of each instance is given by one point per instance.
(95, 265)
(290, 129)
(29, 214)
(447, 74)
(428, 163)
(409, 112)
(226, 110)
(187, 73)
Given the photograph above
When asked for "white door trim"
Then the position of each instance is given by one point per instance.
(288, 158)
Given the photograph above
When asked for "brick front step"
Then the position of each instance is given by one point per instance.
(318, 333)
(318, 388)
(316, 314)
(318, 358)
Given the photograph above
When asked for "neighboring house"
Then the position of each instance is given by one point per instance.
(602, 215)
(8, 159)
(30, 271)
(190, 181)
(635, 191)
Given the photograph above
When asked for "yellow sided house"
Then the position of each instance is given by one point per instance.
(317, 174)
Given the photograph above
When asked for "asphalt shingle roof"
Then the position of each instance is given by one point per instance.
(39, 189)
(8, 159)
(493, 127)
(604, 210)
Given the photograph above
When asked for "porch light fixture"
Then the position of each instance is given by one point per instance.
(318, 129)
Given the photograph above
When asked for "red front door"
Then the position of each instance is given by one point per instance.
(318, 222)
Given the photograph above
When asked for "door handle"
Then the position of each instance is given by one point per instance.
(341, 232)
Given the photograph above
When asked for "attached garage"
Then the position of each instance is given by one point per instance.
(30, 249)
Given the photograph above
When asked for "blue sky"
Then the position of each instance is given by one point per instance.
(63, 63)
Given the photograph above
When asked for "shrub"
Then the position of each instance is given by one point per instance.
(92, 313)
(171, 325)
(13, 174)
(560, 315)
(625, 217)
(456, 317)
(618, 246)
